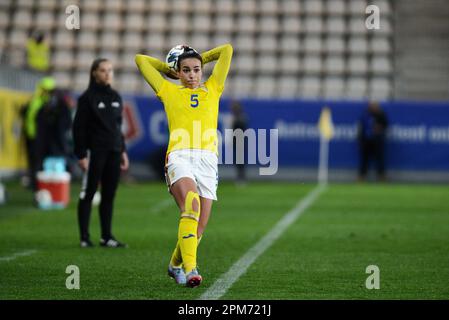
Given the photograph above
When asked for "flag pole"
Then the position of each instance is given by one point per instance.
(326, 129)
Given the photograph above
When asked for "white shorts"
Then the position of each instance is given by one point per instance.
(199, 165)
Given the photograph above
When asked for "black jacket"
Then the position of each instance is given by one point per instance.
(98, 121)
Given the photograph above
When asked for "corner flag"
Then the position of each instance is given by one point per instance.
(326, 133)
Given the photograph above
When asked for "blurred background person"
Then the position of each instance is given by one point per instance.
(100, 147)
(239, 121)
(35, 128)
(38, 52)
(371, 135)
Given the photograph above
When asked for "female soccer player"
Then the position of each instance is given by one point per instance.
(191, 161)
(100, 147)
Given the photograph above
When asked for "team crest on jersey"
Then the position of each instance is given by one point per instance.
(101, 105)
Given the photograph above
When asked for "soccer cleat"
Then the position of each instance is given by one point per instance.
(112, 243)
(86, 244)
(177, 274)
(193, 279)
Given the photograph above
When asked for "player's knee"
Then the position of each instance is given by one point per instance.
(192, 206)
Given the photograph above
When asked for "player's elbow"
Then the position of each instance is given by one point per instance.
(139, 58)
(228, 48)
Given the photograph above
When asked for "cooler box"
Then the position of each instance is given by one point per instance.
(57, 184)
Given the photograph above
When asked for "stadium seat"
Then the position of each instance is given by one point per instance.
(134, 22)
(18, 39)
(25, 4)
(311, 87)
(357, 26)
(288, 87)
(290, 44)
(128, 82)
(44, 21)
(63, 79)
(357, 7)
(177, 38)
(333, 87)
(336, 7)
(357, 65)
(202, 6)
(269, 7)
(290, 7)
(81, 81)
(246, 24)
(267, 63)
(335, 65)
(289, 64)
(380, 45)
(244, 63)
(358, 45)
(110, 40)
(313, 25)
(201, 23)
(48, 5)
(248, 7)
(179, 23)
(200, 41)
(62, 60)
(356, 88)
(222, 38)
(4, 19)
(380, 88)
(87, 40)
(90, 21)
(291, 25)
(113, 5)
(312, 64)
(154, 40)
(156, 22)
(245, 43)
(334, 45)
(112, 21)
(132, 41)
(91, 6)
(380, 65)
(268, 25)
(242, 85)
(159, 6)
(224, 7)
(335, 25)
(313, 44)
(137, 6)
(180, 6)
(64, 39)
(22, 19)
(313, 7)
(266, 44)
(84, 59)
(265, 87)
(223, 23)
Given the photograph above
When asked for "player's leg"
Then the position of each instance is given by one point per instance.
(89, 186)
(186, 196)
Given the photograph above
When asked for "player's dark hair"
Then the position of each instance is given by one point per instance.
(189, 53)
(95, 66)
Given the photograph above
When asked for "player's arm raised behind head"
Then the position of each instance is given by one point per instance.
(223, 55)
(151, 68)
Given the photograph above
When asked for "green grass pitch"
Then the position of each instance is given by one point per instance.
(402, 229)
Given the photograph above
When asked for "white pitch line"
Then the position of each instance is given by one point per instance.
(219, 288)
(18, 254)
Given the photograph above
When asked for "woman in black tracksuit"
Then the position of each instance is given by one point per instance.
(100, 148)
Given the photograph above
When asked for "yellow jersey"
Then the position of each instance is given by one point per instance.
(192, 114)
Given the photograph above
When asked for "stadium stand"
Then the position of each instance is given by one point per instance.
(290, 48)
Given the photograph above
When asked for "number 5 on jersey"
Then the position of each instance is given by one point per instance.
(194, 100)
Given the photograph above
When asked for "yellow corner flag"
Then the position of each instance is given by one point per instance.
(325, 124)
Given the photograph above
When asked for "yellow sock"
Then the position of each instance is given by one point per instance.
(176, 257)
(188, 242)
